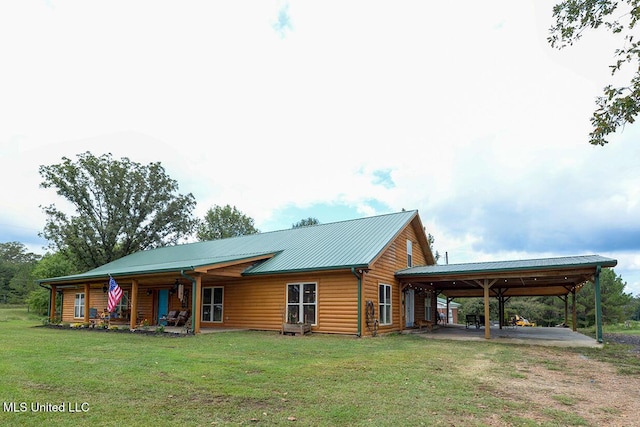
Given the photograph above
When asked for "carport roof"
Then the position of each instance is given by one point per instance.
(530, 277)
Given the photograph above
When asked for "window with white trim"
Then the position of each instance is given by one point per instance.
(302, 303)
(384, 304)
(123, 304)
(212, 303)
(409, 253)
(78, 306)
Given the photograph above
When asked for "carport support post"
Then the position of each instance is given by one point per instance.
(598, 305)
(574, 309)
(487, 322)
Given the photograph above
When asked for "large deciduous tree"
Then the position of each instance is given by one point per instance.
(223, 222)
(121, 207)
(618, 105)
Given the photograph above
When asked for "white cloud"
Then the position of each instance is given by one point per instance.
(461, 110)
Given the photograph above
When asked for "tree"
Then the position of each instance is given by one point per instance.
(51, 265)
(223, 222)
(431, 239)
(612, 296)
(121, 207)
(619, 105)
(15, 267)
(306, 222)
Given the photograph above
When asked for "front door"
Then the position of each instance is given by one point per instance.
(409, 303)
(163, 303)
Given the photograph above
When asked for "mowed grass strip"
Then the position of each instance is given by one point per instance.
(256, 378)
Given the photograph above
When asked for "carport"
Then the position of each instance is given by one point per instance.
(562, 277)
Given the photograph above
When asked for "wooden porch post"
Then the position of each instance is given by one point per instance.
(87, 301)
(133, 318)
(197, 302)
(52, 303)
(566, 309)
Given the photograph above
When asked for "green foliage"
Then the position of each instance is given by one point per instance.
(618, 105)
(54, 265)
(121, 207)
(617, 306)
(306, 222)
(38, 301)
(431, 240)
(615, 301)
(15, 272)
(223, 222)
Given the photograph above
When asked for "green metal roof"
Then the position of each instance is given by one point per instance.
(505, 266)
(345, 244)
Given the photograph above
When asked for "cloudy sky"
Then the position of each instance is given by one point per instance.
(330, 109)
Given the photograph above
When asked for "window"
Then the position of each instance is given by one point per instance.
(78, 306)
(384, 304)
(409, 253)
(427, 308)
(123, 304)
(301, 303)
(212, 304)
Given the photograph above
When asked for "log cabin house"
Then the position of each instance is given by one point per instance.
(337, 277)
(358, 277)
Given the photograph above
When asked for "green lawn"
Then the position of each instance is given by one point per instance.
(255, 378)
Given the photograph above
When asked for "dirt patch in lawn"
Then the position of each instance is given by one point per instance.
(566, 388)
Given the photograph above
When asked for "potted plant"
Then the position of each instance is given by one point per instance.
(293, 326)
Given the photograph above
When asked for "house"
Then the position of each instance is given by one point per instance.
(338, 277)
(450, 313)
(357, 277)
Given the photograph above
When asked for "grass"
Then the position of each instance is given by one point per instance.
(256, 378)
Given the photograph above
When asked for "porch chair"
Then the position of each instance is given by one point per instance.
(182, 318)
(93, 316)
(172, 317)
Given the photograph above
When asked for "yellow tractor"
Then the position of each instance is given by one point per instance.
(521, 321)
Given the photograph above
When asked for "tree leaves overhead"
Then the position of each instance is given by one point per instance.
(121, 207)
(223, 222)
(618, 105)
(306, 222)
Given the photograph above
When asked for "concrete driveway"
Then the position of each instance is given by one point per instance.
(556, 337)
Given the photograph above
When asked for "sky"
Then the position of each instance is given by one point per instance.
(332, 110)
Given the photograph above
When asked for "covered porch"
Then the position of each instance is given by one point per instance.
(151, 296)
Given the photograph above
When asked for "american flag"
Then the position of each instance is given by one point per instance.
(115, 294)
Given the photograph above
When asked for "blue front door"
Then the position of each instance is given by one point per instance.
(163, 303)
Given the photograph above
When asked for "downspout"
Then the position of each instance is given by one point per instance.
(193, 296)
(359, 277)
(598, 305)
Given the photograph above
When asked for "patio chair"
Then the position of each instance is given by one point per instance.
(93, 316)
(172, 317)
(182, 318)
